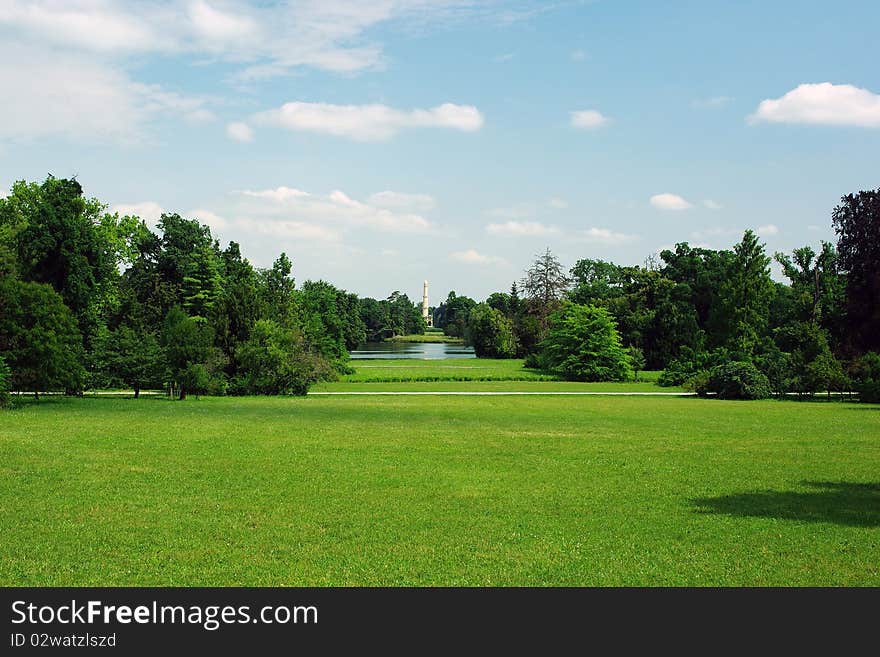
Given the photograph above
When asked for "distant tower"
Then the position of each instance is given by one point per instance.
(429, 318)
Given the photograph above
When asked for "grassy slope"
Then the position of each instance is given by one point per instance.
(463, 490)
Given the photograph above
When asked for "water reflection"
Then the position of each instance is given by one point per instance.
(416, 350)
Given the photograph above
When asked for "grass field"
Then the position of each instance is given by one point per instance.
(426, 337)
(439, 491)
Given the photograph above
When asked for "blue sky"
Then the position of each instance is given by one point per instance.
(383, 143)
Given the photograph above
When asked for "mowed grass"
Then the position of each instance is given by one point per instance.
(470, 374)
(439, 491)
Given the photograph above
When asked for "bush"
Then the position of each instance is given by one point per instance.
(736, 380)
(275, 361)
(5, 383)
(680, 371)
(490, 333)
(865, 373)
(583, 344)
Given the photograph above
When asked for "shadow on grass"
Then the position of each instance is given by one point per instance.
(842, 503)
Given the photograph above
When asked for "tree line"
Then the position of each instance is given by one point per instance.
(90, 299)
(713, 320)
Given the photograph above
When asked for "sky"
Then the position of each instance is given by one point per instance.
(386, 142)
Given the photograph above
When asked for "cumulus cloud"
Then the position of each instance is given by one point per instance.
(239, 131)
(521, 229)
(473, 257)
(669, 201)
(149, 211)
(769, 229)
(368, 122)
(335, 208)
(589, 119)
(402, 201)
(822, 104)
(712, 205)
(606, 236)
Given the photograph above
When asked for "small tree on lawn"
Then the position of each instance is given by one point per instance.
(583, 344)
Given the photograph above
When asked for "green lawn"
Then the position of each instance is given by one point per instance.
(450, 369)
(427, 490)
(426, 337)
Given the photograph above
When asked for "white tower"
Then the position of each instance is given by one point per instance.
(429, 319)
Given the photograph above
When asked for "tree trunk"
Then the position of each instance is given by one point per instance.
(137, 391)
(36, 395)
(182, 395)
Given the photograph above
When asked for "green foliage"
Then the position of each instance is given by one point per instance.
(135, 359)
(735, 380)
(689, 364)
(275, 361)
(452, 315)
(189, 353)
(5, 383)
(582, 344)
(637, 359)
(857, 224)
(865, 373)
(490, 333)
(39, 338)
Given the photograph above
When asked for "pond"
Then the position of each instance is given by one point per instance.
(416, 350)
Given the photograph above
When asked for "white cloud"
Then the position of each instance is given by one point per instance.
(369, 122)
(669, 201)
(521, 229)
(767, 230)
(822, 104)
(606, 236)
(215, 221)
(287, 229)
(557, 203)
(239, 132)
(279, 194)
(589, 119)
(402, 201)
(712, 205)
(149, 211)
(472, 257)
(81, 98)
(337, 208)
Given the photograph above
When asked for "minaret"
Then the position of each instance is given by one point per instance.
(429, 319)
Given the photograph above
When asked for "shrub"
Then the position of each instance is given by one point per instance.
(5, 383)
(737, 380)
(583, 344)
(684, 368)
(490, 333)
(865, 373)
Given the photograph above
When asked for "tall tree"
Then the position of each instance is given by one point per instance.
(857, 224)
(39, 338)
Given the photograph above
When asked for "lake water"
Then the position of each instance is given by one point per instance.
(417, 350)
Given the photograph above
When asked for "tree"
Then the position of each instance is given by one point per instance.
(188, 345)
(134, 358)
(276, 361)
(5, 383)
(857, 224)
(637, 358)
(39, 338)
(545, 282)
(744, 298)
(490, 333)
(582, 344)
